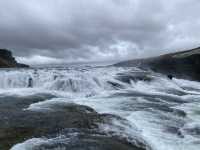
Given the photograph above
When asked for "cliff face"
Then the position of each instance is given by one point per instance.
(7, 60)
(184, 64)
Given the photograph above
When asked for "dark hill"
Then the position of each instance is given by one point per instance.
(8, 61)
(185, 64)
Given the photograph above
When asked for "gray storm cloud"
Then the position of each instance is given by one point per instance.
(88, 30)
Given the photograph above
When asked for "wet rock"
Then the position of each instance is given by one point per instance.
(134, 76)
(193, 131)
(115, 85)
(17, 103)
(180, 113)
(83, 139)
(175, 130)
(170, 76)
(18, 124)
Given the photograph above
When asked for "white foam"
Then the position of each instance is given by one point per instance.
(48, 104)
(90, 87)
(34, 143)
(187, 83)
(29, 144)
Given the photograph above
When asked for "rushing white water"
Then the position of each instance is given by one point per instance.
(163, 113)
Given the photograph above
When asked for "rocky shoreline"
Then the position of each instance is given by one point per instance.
(185, 64)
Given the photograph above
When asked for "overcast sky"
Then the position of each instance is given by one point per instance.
(54, 31)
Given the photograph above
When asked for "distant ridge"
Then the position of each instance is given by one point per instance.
(184, 64)
(8, 61)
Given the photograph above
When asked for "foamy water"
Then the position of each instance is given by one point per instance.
(164, 114)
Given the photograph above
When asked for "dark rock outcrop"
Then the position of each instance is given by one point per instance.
(8, 61)
(185, 64)
(77, 124)
(134, 76)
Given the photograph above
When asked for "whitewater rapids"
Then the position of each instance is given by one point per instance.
(163, 113)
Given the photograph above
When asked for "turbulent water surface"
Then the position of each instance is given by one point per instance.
(161, 113)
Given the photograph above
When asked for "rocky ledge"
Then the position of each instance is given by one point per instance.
(8, 61)
(185, 64)
(54, 126)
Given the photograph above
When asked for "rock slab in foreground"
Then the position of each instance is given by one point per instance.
(77, 124)
(185, 64)
(8, 61)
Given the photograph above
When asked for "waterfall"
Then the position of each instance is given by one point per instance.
(59, 80)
